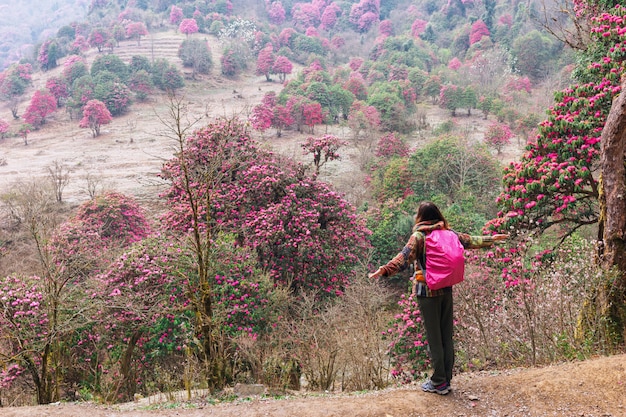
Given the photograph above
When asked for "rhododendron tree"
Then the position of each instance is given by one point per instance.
(58, 88)
(298, 227)
(4, 128)
(364, 14)
(478, 31)
(283, 67)
(188, 26)
(323, 149)
(312, 114)
(391, 145)
(263, 113)
(13, 83)
(135, 30)
(418, 27)
(98, 38)
(554, 182)
(176, 15)
(330, 15)
(42, 104)
(498, 135)
(276, 12)
(265, 61)
(95, 114)
(454, 64)
(306, 14)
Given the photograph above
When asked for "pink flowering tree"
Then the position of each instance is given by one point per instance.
(135, 30)
(497, 136)
(323, 149)
(276, 12)
(42, 104)
(95, 114)
(478, 31)
(58, 88)
(176, 15)
(283, 67)
(98, 38)
(330, 16)
(390, 145)
(298, 227)
(4, 128)
(555, 182)
(364, 14)
(188, 26)
(265, 61)
(312, 114)
(418, 27)
(263, 113)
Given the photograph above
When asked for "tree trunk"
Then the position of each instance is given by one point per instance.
(613, 214)
(128, 384)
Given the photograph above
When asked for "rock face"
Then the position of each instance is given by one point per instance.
(249, 390)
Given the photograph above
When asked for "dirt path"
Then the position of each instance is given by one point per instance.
(591, 388)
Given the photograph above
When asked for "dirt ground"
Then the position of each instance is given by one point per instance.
(592, 388)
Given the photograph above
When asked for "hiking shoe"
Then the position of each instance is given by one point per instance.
(441, 389)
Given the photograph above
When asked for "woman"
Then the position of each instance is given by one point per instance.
(435, 305)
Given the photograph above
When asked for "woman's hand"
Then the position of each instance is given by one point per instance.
(499, 237)
(376, 274)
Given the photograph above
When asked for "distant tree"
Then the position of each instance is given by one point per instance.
(313, 114)
(95, 114)
(138, 63)
(282, 66)
(385, 28)
(42, 104)
(176, 15)
(478, 30)
(497, 136)
(263, 113)
(79, 45)
(282, 119)
(119, 34)
(188, 27)
(58, 88)
(364, 14)
(74, 67)
(454, 64)
(140, 83)
(13, 83)
(323, 149)
(98, 38)
(166, 76)
(113, 93)
(4, 128)
(330, 16)
(469, 99)
(390, 145)
(265, 61)
(418, 27)
(135, 30)
(23, 131)
(110, 63)
(534, 53)
(276, 13)
(195, 53)
(450, 97)
(48, 55)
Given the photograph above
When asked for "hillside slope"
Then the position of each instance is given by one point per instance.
(591, 388)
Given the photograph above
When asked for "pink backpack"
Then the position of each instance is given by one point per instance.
(445, 263)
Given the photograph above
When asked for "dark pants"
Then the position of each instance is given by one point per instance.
(437, 319)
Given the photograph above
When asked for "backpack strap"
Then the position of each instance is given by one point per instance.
(421, 262)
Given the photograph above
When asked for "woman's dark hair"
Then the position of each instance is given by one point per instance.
(429, 212)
